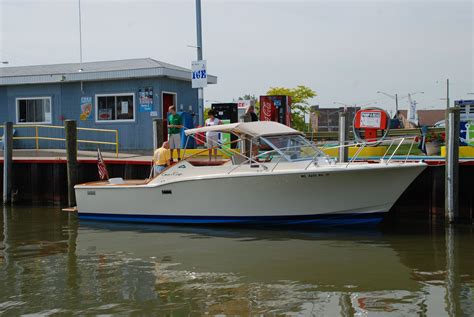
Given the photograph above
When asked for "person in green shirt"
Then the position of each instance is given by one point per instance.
(175, 124)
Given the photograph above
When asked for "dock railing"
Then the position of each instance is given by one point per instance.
(333, 135)
(40, 127)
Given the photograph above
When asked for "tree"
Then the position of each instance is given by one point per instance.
(248, 97)
(300, 103)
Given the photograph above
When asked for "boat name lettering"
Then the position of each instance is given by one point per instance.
(91, 192)
(174, 173)
(314, 175)
(166, 191)
(182, 166)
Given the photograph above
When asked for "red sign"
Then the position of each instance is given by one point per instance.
(267, 109)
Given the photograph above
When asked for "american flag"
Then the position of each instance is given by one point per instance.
(103, 174)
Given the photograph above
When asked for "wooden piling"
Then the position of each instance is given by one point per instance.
(343, 133)
(158, 136)
(71, 155)
(452, 164)
(7, 162)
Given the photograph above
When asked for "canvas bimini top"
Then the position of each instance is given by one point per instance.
(254, 129)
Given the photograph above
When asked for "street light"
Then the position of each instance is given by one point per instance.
(354, 105)
(395, 97)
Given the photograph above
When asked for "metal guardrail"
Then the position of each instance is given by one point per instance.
(37, 137)
(333, 135)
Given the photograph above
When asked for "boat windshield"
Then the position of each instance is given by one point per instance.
(291, 147)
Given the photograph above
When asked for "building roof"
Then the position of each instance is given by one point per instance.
(92, 71)
(254, 129)
(427, 117)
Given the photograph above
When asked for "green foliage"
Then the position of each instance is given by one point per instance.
(248, 97)
(206, 110)
(300, 103)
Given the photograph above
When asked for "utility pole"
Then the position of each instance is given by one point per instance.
(199, 57)
(447, 93)
(396, 106)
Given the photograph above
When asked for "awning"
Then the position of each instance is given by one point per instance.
(254, 129)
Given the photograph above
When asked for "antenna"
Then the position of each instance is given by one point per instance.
(80, 38)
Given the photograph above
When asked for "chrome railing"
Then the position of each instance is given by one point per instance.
(362, 145)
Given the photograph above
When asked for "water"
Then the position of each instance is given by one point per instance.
(53, 264)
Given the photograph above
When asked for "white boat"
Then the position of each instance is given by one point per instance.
(290, 182)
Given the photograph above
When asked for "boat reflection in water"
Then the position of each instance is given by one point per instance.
(51, 262)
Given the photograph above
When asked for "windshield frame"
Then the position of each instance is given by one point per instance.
(303, 143)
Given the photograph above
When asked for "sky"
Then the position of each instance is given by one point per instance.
(345, 51)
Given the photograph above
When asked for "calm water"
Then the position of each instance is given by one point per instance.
(51, 263)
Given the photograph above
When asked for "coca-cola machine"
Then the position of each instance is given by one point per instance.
(276, 108)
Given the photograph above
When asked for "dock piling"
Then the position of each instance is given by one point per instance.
(157, 133)
(452, 164)
(7, 162)
(70, 127)
(343, 133)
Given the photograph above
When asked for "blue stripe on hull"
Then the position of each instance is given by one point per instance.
(325, 220)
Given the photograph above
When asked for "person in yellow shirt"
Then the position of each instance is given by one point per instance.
(161, 158)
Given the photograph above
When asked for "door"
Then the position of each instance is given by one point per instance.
(168, 99)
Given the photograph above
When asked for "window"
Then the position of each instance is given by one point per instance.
(33, 110)
(117, 107)
(292, 147)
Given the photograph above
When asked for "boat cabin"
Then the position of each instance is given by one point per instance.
(264, 141)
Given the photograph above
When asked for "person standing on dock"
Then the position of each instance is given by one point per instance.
(212, 138)
(175, 124)
(161, 158)
(250, 115)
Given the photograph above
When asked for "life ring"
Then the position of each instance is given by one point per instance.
(366, 124)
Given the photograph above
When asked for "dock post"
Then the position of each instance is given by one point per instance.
(71, 155)
(343, 132)
(7, 162)
(452, 164)
(157, 133)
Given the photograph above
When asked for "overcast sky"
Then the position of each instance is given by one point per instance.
(344, 50)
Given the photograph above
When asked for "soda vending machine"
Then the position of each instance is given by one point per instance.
(229, 113)
(276, 108)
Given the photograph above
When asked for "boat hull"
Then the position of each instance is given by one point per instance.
(324, 219)
(326, 196)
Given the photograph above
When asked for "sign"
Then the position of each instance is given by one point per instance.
(199, 74)
(266, 109)
(86, 109)
(370, 119)
(145, 99)
(467, 109)
(124, 107)
(105, 114)
(467, 133)
(243, 104)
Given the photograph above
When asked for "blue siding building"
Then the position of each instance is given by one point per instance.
(125, 95)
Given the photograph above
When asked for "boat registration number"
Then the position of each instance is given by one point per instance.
(314, 175)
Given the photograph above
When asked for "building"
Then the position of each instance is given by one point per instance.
(328, 118)
(425, 117)
(125, 95)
